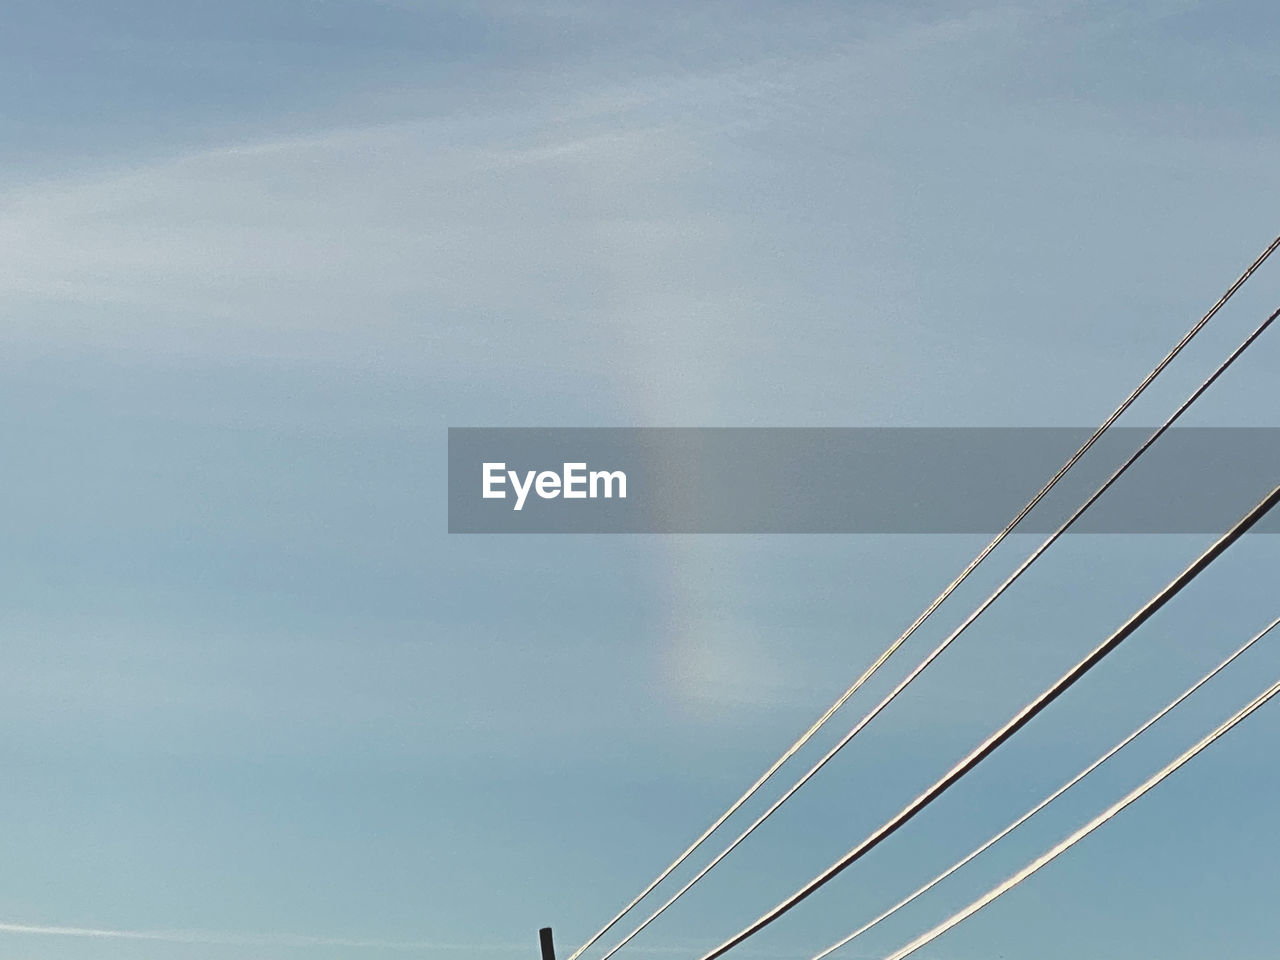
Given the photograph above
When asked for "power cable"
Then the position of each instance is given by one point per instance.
(965, 624)
(1010, 728)
(937, 602)
(1064, 845)
(978, 851)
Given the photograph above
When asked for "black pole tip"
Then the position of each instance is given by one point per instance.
(548, 945)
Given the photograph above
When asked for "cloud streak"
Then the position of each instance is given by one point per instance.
(211, 938)
(222, 939)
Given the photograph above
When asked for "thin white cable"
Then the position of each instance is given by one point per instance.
(937, 602)
(955, 634)
(1053, 796)
(1064, 845)
(1009, 730)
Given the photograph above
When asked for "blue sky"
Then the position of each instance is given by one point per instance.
(259, 256)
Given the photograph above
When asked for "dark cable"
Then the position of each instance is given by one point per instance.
(1015, 723)
(937, 602)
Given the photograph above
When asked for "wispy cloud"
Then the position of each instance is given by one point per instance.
(220, 939)
(210, 938)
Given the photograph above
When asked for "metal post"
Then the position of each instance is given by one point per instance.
(548, 945)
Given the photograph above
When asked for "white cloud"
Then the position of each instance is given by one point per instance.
(210, 938)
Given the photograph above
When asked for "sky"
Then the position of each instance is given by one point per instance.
(258, 257)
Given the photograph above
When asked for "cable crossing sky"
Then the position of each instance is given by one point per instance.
(978, 851)
(937, 602)
(1010, 728)
(964, 625)
(1066, 844)
(916, 624)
